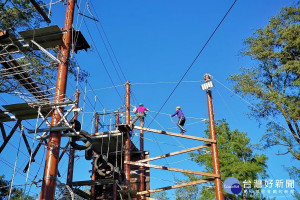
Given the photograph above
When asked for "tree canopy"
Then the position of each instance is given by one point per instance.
(272, 83)
(20, 15)
(16, 193)
(236, 158)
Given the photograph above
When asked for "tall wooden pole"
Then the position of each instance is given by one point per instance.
(72, 150)
(214, 149)
(52, 157)
(142, 169)
(127, 141)
(94, 171)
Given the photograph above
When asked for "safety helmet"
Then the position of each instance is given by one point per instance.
(141, 104)
(178, 107)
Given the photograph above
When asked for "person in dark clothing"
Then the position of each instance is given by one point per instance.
(181, 119)
(75, 124)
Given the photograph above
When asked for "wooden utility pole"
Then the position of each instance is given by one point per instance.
(142, 169)
(127, 141)
(214, 149)
(72, 150)
(53, 147)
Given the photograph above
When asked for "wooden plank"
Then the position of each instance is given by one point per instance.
(173, 153)
(174, 186)
(90, 182)
(171, 169)
(175, 134)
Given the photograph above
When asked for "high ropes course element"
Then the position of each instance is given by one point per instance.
(114, 156)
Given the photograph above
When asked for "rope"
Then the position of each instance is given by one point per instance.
(172, 120)
(14, 172)
(83, 108)
(103, 64)
(253, 106)
(50, 5)
(112, 50)
(94, 114)
(196, 58)
(35, 132)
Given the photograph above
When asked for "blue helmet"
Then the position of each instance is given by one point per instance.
(141, 104)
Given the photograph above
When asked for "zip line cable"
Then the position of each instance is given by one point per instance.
(110, 57)
(102, 61)
(253, 106)
(112, 50)
(196, 58)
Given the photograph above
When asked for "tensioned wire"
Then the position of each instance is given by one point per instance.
(15, 166)
(253, 106)
(196, 58)
(102, 61)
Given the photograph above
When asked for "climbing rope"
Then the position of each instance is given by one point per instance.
(14, 172)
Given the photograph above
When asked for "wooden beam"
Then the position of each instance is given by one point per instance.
(26, 142)
(2, 130)
(64, 151)
(172, 169)
(174, 186)
(40, 10)
(173, 153)
(33, 155)
(10, 135)
(175, 134)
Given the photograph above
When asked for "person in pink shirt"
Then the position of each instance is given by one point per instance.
(140, 114)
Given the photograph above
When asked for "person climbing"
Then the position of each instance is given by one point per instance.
(181, 119)
(140, 114)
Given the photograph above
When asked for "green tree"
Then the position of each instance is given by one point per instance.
(272, 83)
(160, 195)
(16, 193)
(20, 15)
(188, 192)
(236, 159)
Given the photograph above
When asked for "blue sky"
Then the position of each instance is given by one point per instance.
(155, 42)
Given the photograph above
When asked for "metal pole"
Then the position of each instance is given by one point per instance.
(127, 141)
(142, 169)
(93, 187)
(214, 149)
(53, 147)
(72, 150)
